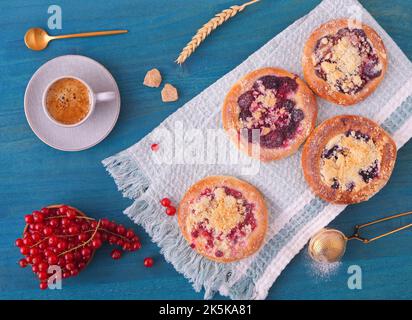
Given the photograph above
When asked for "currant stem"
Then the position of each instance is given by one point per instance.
(84, 243)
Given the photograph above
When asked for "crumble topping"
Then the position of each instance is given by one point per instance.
(349, 161)
(221, 220)
(346, 60)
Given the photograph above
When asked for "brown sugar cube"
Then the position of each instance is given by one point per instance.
(153, 78)
(169, 93)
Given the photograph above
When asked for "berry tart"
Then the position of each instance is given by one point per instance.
(223, 218)
(269, 113)
(348, 159)
(344, 61)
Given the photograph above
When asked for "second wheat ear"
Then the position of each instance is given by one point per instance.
(207, 28)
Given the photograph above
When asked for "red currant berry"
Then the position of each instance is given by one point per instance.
(104, 236)
(154, 147)
(36, 236)
(121, 229)
(27, 241)
(45, 211)
(63, 210)
(83, 237)
(130, 234)
(19, 243)
(36, 260)
(74, 272)
(43, 285)
(112, 226)
(34, 251)
(43, 266)
(116, 254)
(66, 275)
(148, 262)
(165, 202)
(105, 223)
(38, 216)
(42, 246)
(65, 222)
(96, 243)
(73, 229)
(62, 245)
(35, 268)
(54, 223)
(170, 211)
(86, 252)
(93, 224)
(24, 250)
(23, 263)
(68, 256)
(47, 231)
(112, 239)
(136, 246)
(53, 241)
(29, 219)
(42, 275)
(81, 265)
(127, 246)
(71, 214)
(39, 226)
(52, 260)
(70, 266)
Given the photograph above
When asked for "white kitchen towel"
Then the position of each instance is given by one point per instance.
(186, 154)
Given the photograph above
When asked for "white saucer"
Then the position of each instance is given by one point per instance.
(100, 123)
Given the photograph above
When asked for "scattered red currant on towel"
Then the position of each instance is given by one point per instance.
(170, 209)
(154, 147)
(63, 236)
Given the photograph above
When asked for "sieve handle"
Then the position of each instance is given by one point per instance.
(356, 235)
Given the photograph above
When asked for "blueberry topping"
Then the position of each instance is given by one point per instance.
(350, 186)
(297, 115)
(273, 139)
(269, 82)
(335, 185)
(370, 173)
(329, 153)
(245, 100)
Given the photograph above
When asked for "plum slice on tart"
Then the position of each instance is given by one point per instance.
(344, 61)
(269, 113)
(223, 218)
(348, 159)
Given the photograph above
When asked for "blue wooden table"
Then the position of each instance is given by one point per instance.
(33, 175)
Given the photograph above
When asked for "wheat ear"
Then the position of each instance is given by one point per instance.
(207, 28)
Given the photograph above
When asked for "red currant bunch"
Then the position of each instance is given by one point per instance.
(64, 236)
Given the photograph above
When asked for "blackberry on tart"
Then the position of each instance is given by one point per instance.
(344, 61)
(348, 159)
(269, 113)
(223, 218)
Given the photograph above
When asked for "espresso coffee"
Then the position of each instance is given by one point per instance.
(68, 101)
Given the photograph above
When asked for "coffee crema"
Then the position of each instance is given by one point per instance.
(68, 101)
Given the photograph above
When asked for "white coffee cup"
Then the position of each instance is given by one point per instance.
(94, 98)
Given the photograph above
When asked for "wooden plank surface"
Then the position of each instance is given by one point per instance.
(33, 175)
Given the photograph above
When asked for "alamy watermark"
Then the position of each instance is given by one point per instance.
(180, 145)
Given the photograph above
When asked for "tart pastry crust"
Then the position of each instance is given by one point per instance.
(275, 102)
(348, 159)
(344, 61)
(223, 218)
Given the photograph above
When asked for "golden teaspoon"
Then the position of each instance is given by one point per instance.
(38, 39)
